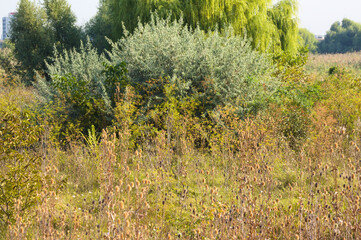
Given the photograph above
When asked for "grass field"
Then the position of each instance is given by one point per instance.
(192, 179)
(322, 63)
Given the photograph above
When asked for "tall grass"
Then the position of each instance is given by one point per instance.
(167, 167)
(244, 182)
(321, 63)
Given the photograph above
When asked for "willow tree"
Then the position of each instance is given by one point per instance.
(283, 17)
(269, 27)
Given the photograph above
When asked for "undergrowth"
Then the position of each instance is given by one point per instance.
(168, 163)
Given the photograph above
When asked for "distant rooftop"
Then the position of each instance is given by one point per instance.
(320, 37)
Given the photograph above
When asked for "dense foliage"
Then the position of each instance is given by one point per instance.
(177, 133)
(79, 79)
(35, 30)
(216, 70)
(19, 171)
(307, 39)
(182, 175)
(99, 28)
(30, 35)
(270, 27)
(342, 37)
(221, 68)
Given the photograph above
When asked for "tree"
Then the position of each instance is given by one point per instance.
(36, 30)
(255, 19)
(283, 17)
(307, 39)
(66, 34)
(100, 27)
(30, 35)
(342, 37)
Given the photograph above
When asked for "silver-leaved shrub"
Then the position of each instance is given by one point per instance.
(221, 67)
(218, 69)
(77, 81)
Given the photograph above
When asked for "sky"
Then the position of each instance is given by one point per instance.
(315, 15)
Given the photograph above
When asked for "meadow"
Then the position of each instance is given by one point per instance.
(289, 171)
(323, 62)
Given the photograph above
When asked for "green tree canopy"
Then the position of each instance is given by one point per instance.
(342, 37)
(269, 27)
(62, 21)
(283, 16)
(37, 29)
(307, 39)
(30, 35)
(100, 27)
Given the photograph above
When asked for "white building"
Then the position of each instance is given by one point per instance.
(320, 37)
(6, 26)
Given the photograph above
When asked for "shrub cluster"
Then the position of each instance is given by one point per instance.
(216, 69)
(221, 68)
(84, 83)
(19, 168)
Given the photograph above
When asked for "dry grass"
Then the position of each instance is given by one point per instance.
(321, 63)
(261, 190)
(245, 183)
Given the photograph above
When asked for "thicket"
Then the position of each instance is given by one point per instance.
(19, 171)
(214, 69)
(186, 176)
(79, 86)
(178, 133)
(217, 69)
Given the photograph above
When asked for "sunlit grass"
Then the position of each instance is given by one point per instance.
(245, 182)
(321, 63)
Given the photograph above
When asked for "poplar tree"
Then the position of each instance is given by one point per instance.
(62, 20)
(35, 30)
(30, 35)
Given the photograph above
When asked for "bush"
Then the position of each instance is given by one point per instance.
(296, 96)
(8, 62)
(19, 169)
(221, 67)
(343, 91)
(85, 84)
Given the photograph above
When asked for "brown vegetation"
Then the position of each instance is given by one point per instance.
(186, 177)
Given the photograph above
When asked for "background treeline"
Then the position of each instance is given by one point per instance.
(344, 36)
(38, 28)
